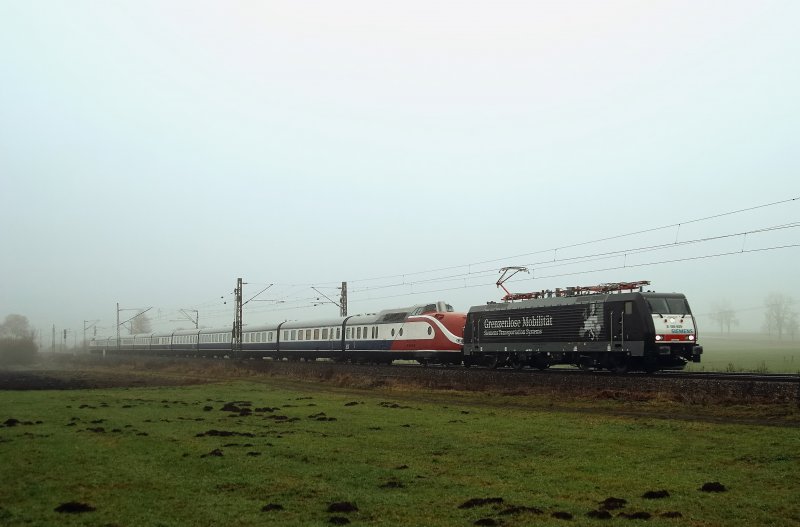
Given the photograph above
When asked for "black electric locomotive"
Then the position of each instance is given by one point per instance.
(600, 327)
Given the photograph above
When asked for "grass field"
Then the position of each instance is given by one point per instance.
(748, 352)
(177, 456)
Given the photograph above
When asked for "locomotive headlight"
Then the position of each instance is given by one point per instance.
(671, 320)
(691, 337)
(659, 337)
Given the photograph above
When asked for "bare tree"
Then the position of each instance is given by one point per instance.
(17, 345)
(17, 327)
(140, 324)
(779, 315)
(792, 325)
(724, 315)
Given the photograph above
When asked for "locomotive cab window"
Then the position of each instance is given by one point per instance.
(658, 305)
(678, 306)
(671, 306)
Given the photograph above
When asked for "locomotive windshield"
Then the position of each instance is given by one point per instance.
(672, 306)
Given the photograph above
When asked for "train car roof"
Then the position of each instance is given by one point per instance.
(367, 318)
(568, 301)
(184, 332)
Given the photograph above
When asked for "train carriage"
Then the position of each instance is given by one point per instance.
(425, 332)
(185, 343)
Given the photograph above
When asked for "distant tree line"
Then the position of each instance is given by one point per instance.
(725, 316)
(17, 341)
(780, 317)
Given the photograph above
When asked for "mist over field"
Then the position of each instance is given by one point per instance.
(153, 153)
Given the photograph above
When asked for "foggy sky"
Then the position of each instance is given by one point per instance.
(152, 152)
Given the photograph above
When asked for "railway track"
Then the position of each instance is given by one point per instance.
(709, 376)
(701, 387)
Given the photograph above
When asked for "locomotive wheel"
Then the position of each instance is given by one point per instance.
(491, 361)
(618, 365)
(540, 363)
(517, 363)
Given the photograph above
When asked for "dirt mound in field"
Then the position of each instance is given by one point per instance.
(640, 515)
(714, 486)
(599, 515)
(73, 507)
(520, 510)
(655, 494)
(479, 502)
(342, 506)
(224, 433)
(610, 504)
(272, 507)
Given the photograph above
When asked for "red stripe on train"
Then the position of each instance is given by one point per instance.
(675, 338)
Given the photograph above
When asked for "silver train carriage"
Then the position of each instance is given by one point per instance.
(424, 332)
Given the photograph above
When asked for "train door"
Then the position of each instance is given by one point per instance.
(617, 319)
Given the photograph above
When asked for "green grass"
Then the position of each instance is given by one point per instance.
(748, 352)
(455, 447)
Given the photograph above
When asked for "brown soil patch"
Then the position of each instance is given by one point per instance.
(655, 494)
(73, 507)
(714, 486)
(610, 504)
(479, 502)
(84, 380)
(342, 506)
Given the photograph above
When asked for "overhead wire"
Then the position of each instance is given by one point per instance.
(589, 242)
(545, 264)
(302, 302)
